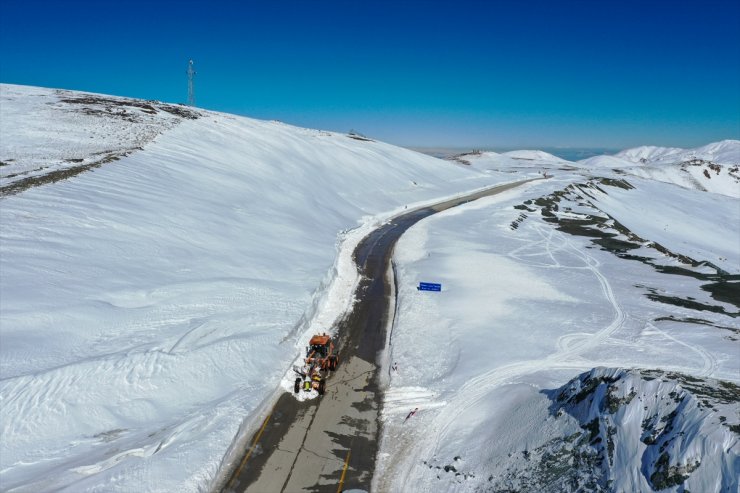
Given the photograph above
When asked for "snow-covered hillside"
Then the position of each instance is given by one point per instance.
(509, 161)
(604, 430)
(724, 152)
(152, 303)
(714, 167)
(682, 429)
(161, 266)
(594, 267)
(64, 133)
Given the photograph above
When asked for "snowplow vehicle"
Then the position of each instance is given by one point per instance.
(320, 360)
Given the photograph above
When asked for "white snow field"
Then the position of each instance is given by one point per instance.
(161, 268)
(591, 268)
(151, 304)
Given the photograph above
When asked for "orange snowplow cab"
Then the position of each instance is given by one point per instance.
(320, 352)
(319, 340)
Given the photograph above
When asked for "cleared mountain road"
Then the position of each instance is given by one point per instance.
(329, 444)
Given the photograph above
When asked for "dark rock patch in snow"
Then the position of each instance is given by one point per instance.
(574, 212)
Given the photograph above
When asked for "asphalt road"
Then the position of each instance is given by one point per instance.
(329, 444)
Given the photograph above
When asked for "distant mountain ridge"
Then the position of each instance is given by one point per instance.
(722, 152)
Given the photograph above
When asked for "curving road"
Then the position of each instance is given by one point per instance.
(329, 444)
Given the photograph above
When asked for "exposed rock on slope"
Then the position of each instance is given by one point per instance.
(608, 430)
(654, 429)
(723, 152)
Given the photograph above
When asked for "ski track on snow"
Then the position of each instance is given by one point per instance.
(569, 348)
(565, 358)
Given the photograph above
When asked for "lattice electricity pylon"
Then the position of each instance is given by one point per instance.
(191, 84)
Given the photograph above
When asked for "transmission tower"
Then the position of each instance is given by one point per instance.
(191, 84)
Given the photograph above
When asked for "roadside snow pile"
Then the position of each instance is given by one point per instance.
(148, 307)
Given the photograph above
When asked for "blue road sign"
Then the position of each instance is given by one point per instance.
(429, 286)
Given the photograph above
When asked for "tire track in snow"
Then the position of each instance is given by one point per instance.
(565, 358)
(709, 361)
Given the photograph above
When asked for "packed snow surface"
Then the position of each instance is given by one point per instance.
(161, 267)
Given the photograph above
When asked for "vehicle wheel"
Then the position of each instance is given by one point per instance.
(322, 387)
(297, 386)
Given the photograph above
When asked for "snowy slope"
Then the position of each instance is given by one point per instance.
(160, 268)
(66, 132)
(723, 152)
(588, 269)
(507, 161)
(714, 167)
(605, 162)
(696, 175)
(646, 154)
(529, 155)
(682, 429)
(150, 304)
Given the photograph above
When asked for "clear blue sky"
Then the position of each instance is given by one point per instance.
(601, 73)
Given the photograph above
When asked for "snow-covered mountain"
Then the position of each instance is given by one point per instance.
(528, 155)
(605, 162)
(161, 266)
(713, 167)
(594, 267)
(725, 152)
(682, 430)
(507, 161)
(604, 430)
(646, 154)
